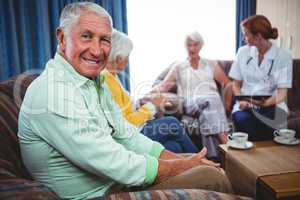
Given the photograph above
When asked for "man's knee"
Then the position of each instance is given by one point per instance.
(213, 179)
(201, 177)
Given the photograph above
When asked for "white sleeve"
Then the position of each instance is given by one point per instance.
(235, 70)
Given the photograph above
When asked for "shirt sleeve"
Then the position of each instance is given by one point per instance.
(235, 70)
(140, 116)
(124, 102)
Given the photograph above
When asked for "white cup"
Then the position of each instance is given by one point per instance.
(238, 138)
(285, 134)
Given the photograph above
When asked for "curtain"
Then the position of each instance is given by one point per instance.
(28, 39)
(244, 9)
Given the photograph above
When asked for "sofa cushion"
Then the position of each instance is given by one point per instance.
(21, 189)
(176, 194)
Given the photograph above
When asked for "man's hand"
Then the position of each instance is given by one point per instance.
(168, 155)
(200, 159)
(169, 168)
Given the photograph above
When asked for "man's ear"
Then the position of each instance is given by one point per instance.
(61, 39)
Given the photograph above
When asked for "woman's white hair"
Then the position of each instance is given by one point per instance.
(195, 36)
(121, 46)
(71, 12)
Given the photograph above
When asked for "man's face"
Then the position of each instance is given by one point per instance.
(193, 48)
(87, 45)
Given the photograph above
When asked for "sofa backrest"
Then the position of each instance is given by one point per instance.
(12, 92)
(293, 93)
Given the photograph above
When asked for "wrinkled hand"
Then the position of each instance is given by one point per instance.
(200, 159)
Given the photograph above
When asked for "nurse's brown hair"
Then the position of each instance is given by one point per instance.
(260, 24)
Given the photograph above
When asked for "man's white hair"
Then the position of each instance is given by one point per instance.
(71, 12)
(195, 36)
(121, 46)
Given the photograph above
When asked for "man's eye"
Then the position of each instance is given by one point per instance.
(106, 41)
(87, 36)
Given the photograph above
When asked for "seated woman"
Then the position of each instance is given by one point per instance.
(195, 78)
(260, 68)
(166, 130)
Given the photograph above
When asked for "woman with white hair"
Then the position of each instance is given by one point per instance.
(195, 79)
(166, 130)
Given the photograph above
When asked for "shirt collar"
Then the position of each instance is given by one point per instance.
(78, 79)
(270, 54)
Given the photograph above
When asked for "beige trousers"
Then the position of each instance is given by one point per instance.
(201, 177)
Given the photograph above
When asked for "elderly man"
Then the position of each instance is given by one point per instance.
(73, 137)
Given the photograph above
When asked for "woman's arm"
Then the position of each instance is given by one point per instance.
(168, 82)
(279, 97)
(236, 87)
(222, 78)
(219, 75)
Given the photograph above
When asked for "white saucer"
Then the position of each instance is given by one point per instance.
(286, 142)
(235, 145)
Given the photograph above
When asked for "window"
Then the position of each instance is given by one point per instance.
(158, 28)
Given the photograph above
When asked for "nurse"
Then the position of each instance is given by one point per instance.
(260, 68)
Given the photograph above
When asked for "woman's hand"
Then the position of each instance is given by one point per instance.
(260, 103)
(244, 105)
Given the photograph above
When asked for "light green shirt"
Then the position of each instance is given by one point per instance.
(67, 143)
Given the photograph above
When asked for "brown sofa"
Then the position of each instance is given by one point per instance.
(15, 181)
(190, 123)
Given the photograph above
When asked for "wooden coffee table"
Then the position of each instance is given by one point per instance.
(283, 186)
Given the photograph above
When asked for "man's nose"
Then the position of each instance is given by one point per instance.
(95, 48)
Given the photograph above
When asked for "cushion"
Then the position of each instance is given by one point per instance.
(21, 189)
(189, 194)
